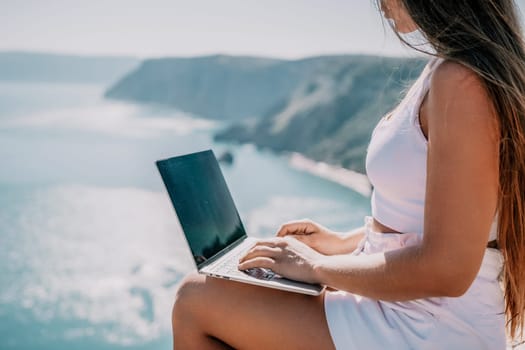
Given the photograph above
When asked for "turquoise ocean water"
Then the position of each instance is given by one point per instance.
(90, 253)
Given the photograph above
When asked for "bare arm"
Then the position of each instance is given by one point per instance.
(460, 203)
(320, 238)
(353, 237)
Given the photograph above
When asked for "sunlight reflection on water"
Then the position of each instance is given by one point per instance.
(89, 243)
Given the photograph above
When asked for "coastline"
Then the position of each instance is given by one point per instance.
(348, 178)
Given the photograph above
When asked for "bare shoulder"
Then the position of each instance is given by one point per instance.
(458, 99)
(453, 75)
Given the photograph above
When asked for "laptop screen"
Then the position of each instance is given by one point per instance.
(203, 203)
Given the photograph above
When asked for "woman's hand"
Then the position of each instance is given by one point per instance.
(315, 236)
(286, 256)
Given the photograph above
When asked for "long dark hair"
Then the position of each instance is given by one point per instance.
(486, 36)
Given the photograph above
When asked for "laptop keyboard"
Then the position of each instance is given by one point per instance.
(230, 266)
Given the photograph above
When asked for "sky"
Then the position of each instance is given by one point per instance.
(156, 28)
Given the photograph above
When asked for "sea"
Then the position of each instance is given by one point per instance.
(90, 250)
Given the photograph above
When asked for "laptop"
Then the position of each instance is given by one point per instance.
(211, 224)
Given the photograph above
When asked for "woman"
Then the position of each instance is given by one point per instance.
(448, 215)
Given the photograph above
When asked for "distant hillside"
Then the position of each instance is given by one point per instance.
(323, 107)
(331, 114)
(219, 87)
(27, 66)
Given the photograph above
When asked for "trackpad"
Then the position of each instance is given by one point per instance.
(261, 273)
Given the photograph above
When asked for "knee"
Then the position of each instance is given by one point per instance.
(187, 298)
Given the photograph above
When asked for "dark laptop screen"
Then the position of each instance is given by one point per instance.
(203, 203)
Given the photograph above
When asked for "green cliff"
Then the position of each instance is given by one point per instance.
(330, 115)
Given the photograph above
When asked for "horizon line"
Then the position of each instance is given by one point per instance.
(414, 54)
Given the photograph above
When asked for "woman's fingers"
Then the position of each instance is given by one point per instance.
(261, 251)
(270, 248)
(260, 261)
(301, 227)
(306, 239)
(271, 242)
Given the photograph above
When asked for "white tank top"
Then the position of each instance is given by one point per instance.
(396, 162)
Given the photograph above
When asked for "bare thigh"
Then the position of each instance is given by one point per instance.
(251, 317)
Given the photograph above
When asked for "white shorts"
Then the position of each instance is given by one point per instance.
(475, 320)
